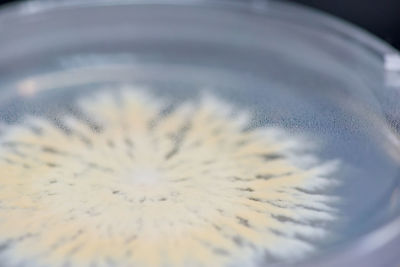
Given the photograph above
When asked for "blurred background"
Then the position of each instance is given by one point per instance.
(381, 18)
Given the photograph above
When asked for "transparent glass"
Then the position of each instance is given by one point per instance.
(294, 68)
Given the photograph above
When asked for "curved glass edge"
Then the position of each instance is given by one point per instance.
(377, 248)
(297, 11)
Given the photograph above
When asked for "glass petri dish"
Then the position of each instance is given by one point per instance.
(319, 88)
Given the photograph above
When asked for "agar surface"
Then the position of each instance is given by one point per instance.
(155, 185)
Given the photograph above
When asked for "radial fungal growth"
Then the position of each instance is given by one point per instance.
(157, 185)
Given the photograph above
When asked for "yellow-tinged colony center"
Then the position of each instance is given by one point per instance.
(157, 185)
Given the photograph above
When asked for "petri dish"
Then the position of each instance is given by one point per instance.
(195, 133)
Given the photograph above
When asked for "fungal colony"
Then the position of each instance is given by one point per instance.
(189, 184)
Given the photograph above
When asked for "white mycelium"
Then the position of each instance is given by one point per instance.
(190, 185)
